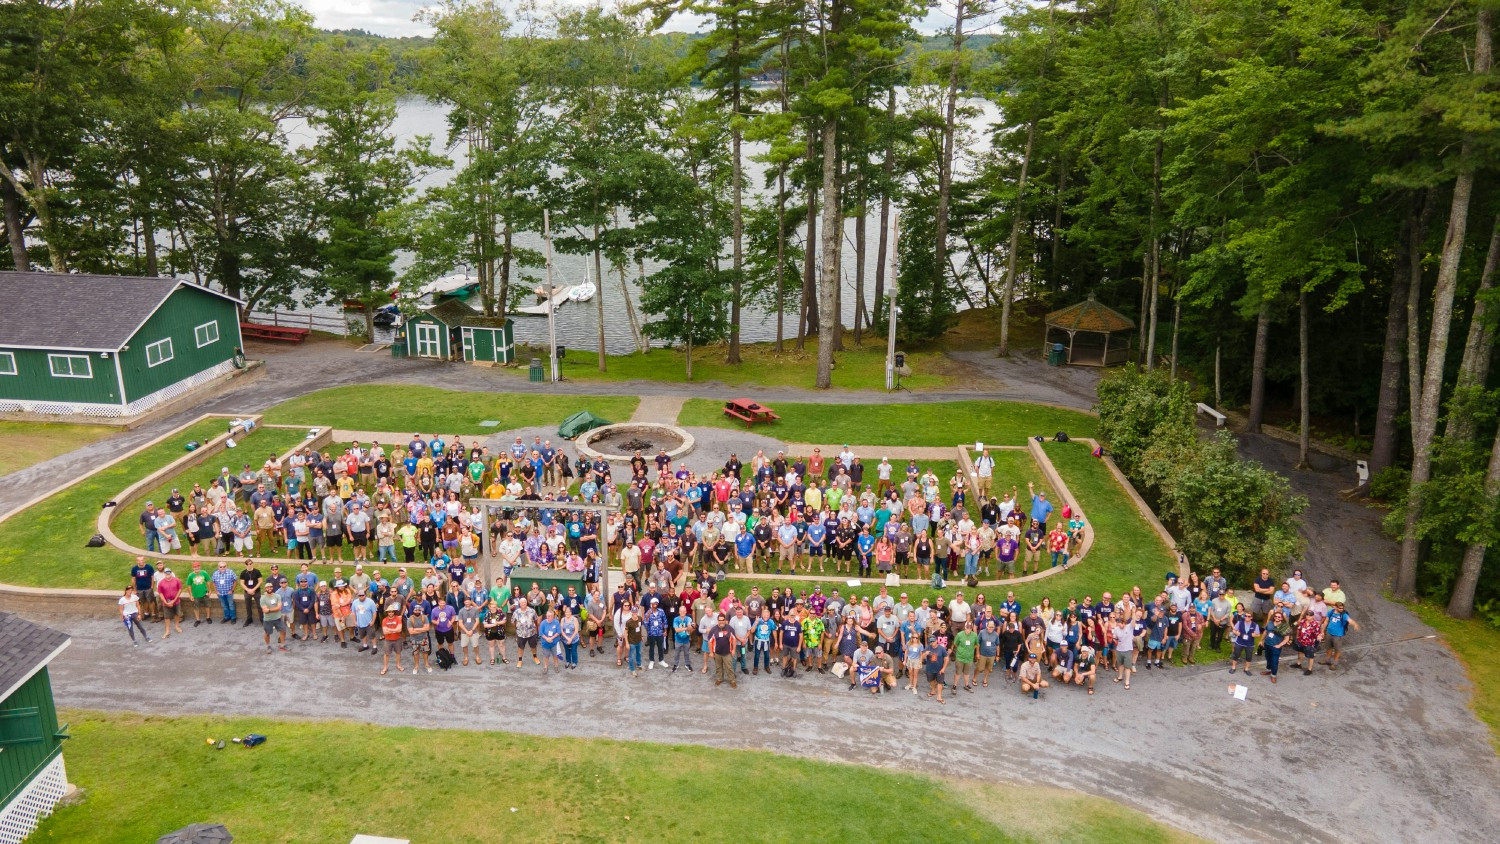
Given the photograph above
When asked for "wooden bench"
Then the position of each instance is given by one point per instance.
(286, 333)
(749, 412)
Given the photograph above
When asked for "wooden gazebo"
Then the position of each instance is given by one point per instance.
(1092, 334)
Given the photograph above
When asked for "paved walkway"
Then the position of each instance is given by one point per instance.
(661, 410)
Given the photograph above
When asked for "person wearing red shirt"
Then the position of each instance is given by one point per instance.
(1057, 543)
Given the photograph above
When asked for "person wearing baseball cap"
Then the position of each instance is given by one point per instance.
(1031, 676)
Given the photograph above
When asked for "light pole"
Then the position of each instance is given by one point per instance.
(890, 340)
(551, 292)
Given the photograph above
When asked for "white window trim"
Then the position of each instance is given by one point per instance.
(214, 324)
(8, 363)
(88, 366)
(149, 346)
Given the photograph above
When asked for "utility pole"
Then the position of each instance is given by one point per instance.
(551, 293)
(890, 340)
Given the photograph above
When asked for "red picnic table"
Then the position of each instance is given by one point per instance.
(749, 411)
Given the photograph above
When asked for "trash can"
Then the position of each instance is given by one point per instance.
(398, 346)
(536, 370)
(1057, 356)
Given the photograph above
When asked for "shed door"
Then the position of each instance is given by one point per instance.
(468, 334)
(428, 343)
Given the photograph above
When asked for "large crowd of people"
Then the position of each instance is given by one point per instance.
(439, 512)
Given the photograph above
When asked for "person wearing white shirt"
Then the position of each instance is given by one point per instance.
(846, 457)
(984, 470)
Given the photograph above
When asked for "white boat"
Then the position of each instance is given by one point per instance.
(583, 292)
(448, 285)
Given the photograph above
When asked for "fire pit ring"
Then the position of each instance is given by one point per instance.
(618, 443)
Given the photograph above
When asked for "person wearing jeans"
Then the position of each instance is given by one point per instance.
(223, 580)
(764, 629)
(656, 635)
(634, 630)
(682, 638)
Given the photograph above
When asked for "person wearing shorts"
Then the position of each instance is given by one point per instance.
(526, 623)
(1336, 625)
(989, 649)
(1124, 636)
(271, 620)
(444, 617)
(393, 634)
(419, 638)
(1245, 632)
(468, 630)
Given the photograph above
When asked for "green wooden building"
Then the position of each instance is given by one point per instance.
(451, 330)
(32, 776)
(107, 346)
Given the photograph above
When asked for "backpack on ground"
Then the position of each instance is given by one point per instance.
(444, 658)
(1062, 436)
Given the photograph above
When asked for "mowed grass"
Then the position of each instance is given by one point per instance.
(579, 789)
(44, 545)
(1126, 551)
(409, 408)
(858, 367)
(930, 424)
(25, 444)
(254, 451)
(1476, 642)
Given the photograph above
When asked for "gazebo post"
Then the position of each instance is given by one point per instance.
(1072, 335)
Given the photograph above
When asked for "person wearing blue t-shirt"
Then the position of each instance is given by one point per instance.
(1336, 624)
(744, 548)
(1041, 508)
(866, 545)
(682, 636)
(764, 629)
(791, 644)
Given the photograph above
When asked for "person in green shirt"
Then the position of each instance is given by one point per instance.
(500, 592)
(964, 645)
(198, 582)
(881, 517)
(408, 534)
(812, 642)
(476, 474)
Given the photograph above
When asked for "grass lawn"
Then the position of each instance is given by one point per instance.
(255, 450)
(1126, 552)
(25, 444)
(1476, 642)
(860, 367)
(408, 408)
(595, 789)
(44, 546)
(935, 424)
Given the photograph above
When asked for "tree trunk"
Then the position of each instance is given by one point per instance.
(780, 259)
(690, 353)
(502, 295)
(1057, 206)
(1461, 602)
(599, 295)
(739, 227)
(1218, 376)
(1304, 419)
(1176, 324)
(887, 168)
(635, 324)
(945, 162)
(808, 321)
(859, 271)
(1414, 257)
(1258, 368)
(832, 234)
(1383, 443)
(1155, 295)
(15, 230)
(1015, 239)
(640, 270)
(1437, 341)
(1479, 347)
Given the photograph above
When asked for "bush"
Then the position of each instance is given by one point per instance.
(1135, 409)
(1225, 512)
(1229, 512)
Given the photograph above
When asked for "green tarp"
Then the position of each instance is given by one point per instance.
(578, 423)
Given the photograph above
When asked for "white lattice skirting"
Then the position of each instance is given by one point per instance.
(36, 801)
(114, 411)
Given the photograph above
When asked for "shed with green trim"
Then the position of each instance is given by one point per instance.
(32, 776)
(109, 346)
(451, 330)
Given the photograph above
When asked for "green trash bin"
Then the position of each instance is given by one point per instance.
(1057, 356)
(536, 370)
(398, 346)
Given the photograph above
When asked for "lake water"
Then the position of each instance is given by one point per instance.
(577, 323)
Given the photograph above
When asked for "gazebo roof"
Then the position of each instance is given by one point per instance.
(1090, 315)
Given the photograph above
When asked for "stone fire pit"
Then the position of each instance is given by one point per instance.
(620, 442)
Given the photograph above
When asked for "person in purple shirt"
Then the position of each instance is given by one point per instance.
(443, 615)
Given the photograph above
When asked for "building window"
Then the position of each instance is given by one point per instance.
(70, 366)
(7, 363)
(206, 333)
(159, 352)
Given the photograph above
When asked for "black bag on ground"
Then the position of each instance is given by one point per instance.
(444, 658)
(972, 581)
(1062, 436)
(95, 541)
